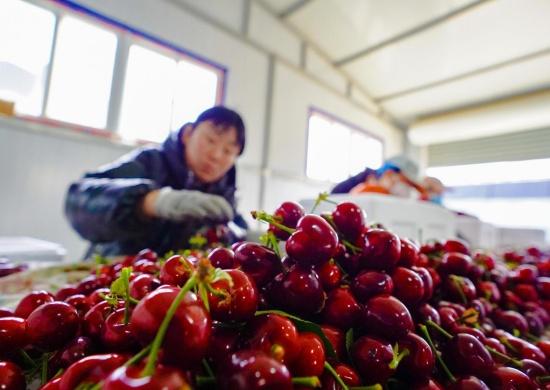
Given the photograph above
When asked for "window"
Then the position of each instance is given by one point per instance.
(504, 193)
(161, 94)
(82, 73)
(26, 36)
(336, 150)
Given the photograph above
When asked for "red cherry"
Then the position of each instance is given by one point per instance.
(409, 287)
(146, 254)
(372, 358)
(456, 245)
(346, 373)
(427, 312)
(240, 301)
(11, 377)
(65, 292)
(5, 312)
(468, 356)
(298, 291)
(489, 290)
(186, 340)
(336, 338)
(459, 288)
(52, 325)
(381, 249)
(31, 301)
(13, 333)
(311, 356)
(97, 296)
(349, 219)
(276, 336)
(223, 258)
(427, 281)
(115, 334)
(146, 266)
(370, 283)
(420, 361)
(409, 253)
(80, 302)
(485, 260)
(94, 319)
(455, 263)
(288, 214)
(510, 320)
(341, 309)
(313, 242)
(387, 317)
(258, 261)
(254, 370)
(166, 378)
(509, 378)
(223, 342)
(142, 285)
(468, 383)
(329, 275)
(526, 273)
(91, 369)
(175, 271)
(75, 350)
(543, 287)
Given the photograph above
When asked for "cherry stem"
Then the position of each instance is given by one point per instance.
(531, 337)
(426, 334)
(543, 379)
(274, 243)
(308, 381)
(397, 356)
(44, 369)
(205, 380)
(207, 368)
(138, 356)
(125, 273)
(322, 197)
(508, 345)
(337, 378)
(439, 329)
(501, 355)
(265, 217)
(458, 284)
(159, 338)
(25, 356)
(463, 318)
(350, 246)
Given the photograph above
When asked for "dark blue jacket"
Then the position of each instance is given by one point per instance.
(346, 186)
(103, 205)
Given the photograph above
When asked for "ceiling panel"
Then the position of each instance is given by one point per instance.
(510, 80)
(341, 28)
(279, 6)
(493, 32)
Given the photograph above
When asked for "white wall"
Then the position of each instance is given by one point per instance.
(38, 162)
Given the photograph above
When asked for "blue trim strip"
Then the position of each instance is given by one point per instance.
(75, 6)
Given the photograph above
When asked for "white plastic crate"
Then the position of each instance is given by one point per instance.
(479, 234)
(27, 249)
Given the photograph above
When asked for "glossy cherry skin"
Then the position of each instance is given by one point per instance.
(254, 370)
(544, 346)
(381, 249)
(165, 378)
(536, 325)
(426, 312)
(91, 369)
(13, 333)
(142, 285)
(76, 349)
(456, 246)
(532, 368)
(372, 357)
(454, 284)
(11, 377)
(175, 271)
(420, 361)
(427, 282)
(489, 290)
(186, 340)
(330, 275)
(386, 317)
(426, 384)
(341, 309)
(455, 263)
(223, 258)
(115, 335)
(449, 318)
(275, 335)
(91, 283)
(486, 260)
(80, 302)
(288, 214)
(468, 356)
(409, 287)
(345, 372)
(349, 219)
(258, 261)
(65, 292)
(509, 378)
(468, 383)
(371, 283)
(526, 273)
(298, 291)
(527, 292)
(409, 253)
(52, 325)
(510, 320)
(31, 301)
(94, 320)
(311, 356)
(146, 254)
(97, 296)
(5, 312)
(223, 342)
(543, 286)
(337, 340)
(241, 300)
(313, 242)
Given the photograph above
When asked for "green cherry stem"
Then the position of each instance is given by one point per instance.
(337, 378)
(426, 335)
(159, 338)
(265, 217)
(439, 329)
(205, 381)
(506, 358)
(308, 381)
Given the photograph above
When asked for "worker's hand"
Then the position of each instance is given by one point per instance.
(181, 205)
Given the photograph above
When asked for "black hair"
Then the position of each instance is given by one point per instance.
(225, 118)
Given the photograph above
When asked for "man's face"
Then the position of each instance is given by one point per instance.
(210, 150)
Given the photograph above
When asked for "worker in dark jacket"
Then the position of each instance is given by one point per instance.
(158, 197)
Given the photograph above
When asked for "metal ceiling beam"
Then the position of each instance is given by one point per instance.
(293, 8)
(464, 75)
(409, 33)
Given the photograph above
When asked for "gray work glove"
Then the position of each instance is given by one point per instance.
(182, 205)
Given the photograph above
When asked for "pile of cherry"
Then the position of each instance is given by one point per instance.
(344, 306)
